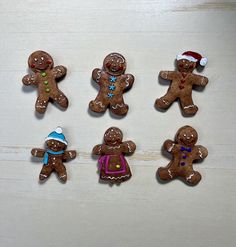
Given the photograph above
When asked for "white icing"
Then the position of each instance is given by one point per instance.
(127, 80)
(170, 173)
(109, 177)
(43, 175)
(171, 147)
(98, 75)
(164, 101)
(129, 147)
(118, 105)
(200, 153)
(189, 106)
(99, 103)
(190, 176)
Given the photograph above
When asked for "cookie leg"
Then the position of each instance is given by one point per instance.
(41, 104)
(60, 98)
(99, 104)
(45, 172)
(117, 106)
(165, 101)
(165, 173)
(188, 105)
(61, 172)
(192, 178)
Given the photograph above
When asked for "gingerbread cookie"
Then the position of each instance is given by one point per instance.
(54, 155)
(113, 167)
(45, 77)
(113, 83)
(182, 82)
(184, 152)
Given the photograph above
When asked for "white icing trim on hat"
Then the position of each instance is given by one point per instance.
(189, 58)
(57, 139)
(58, 130)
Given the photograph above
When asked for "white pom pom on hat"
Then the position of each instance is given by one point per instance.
(58, 130)
(203, 61)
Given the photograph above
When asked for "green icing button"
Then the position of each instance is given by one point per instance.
(47, 90)
(43, 74)
(45, 82)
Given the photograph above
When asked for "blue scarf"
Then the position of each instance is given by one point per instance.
(45, 157)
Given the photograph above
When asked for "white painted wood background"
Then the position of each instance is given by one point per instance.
(140, 212)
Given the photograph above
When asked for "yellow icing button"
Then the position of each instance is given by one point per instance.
(117, 166)
(45, 82)
(47, 90)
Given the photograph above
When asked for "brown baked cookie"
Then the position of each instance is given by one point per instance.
(113, 166)
(113, 83)
(184, 152)
(54, 155)
(182, 82)
(45, 77)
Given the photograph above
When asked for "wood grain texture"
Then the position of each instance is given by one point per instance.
(83, 212)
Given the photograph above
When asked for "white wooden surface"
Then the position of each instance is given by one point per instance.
(141, 212)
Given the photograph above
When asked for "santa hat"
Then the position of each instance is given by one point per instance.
(57, 135)
(193, 57)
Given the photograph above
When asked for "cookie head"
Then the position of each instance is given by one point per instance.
(55, 145)
(40, 60)
(114, 64)
(185, 65)
(113, 136)
(187, 136)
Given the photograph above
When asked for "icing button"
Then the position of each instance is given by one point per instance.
(43, 74)
(47, 90)
(45, 82)
(184, 157)
(110, 95)
(112, 79)
(117, 166)
(182, 163)
(112, 87)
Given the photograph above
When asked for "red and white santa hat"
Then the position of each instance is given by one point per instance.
(193, 57)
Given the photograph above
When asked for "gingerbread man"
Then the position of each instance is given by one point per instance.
(45, 78)
(182, 82)
(113, 167)
(113, 83)
(184, 152)
(54, 155)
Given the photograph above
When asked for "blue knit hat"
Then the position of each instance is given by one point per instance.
(57, 135)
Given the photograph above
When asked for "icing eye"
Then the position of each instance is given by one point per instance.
(42, 58)
(35, 59)
(185, 135)
(192, 135)
(52, 142)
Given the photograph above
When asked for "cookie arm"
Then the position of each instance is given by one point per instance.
(201, 152)
(169, 145)
(167, 75)
(59, 71)
(200, 80)
(71, 154)
(99, 149)
(128, 147)
(29, 80)
(96, 75)
(38, 152)
(127, 81)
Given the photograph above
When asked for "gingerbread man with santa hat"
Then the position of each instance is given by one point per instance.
(182, 82)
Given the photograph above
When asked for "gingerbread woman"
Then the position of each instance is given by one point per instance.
(184, 152)
(113, 167)
(54, 155)
(182, 82)
(113, 83)
(45, 78)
